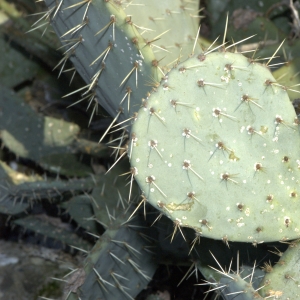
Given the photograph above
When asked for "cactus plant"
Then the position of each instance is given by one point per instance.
(122, 254)
(209, 137)
(282, 279)
(241, 284)
(95, 48)
(226, 144)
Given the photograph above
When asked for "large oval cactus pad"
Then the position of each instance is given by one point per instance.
(216, 148)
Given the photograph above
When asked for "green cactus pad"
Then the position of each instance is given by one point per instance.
(10, 207)
(289, 76)
(105, 46)
(282, 280)
(13, 64)
(80, 210)
(233, 285)
(216, 148)
(52, 228)
(112, 267)
(121, 49)
(167, 17)
(30, 135)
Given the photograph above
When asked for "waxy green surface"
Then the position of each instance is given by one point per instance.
(216, 148)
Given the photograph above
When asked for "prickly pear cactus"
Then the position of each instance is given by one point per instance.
(216, 149)
(213, 146)
(282, 280)
(105, 41)
(122, 254)
(164, 32)
(239, 285)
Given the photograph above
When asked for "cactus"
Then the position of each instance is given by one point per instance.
(24, 45)
(282, 280)
(170, 41)
(21, 192)
(241, 284)
(224, 139)
(15, 75)
(44, 139)
(209, 144)
(122, 254)
(288, 75)
(48, 228)
(94, 50)
(9, 205)
(80, 210)
(97, 33)
(30, 135)
(126, 247)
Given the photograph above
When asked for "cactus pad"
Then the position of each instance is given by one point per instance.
(282, 280)
(216, 149)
